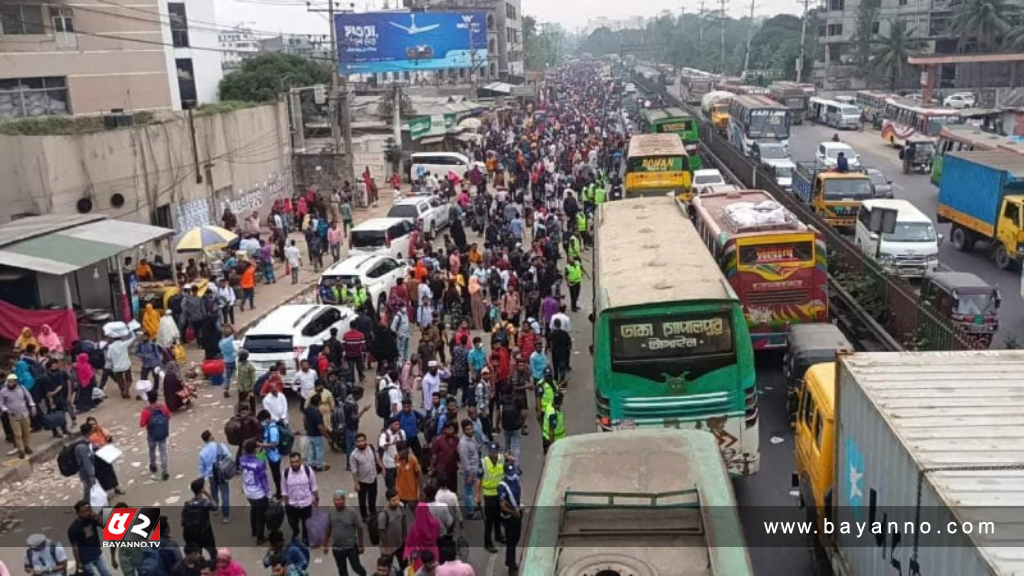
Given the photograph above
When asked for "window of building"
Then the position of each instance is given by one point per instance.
(510, 11)
(30, 97)
(835, 29)
(490, 21)
(21, 19)
(874, 27)
(62, 20)
(179, 24)
(186, 83)
(162, 217)
(839, 5)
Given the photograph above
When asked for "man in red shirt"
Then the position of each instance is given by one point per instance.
(499, 361)
(354, 344)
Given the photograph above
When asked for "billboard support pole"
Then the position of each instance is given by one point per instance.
(472, 64)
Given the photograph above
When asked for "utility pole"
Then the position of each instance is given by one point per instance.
(750, 37)
(700, 23)
(721, 55)
(339, 100)
(472, 62)
(803, 38)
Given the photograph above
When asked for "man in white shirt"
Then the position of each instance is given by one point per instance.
(447, 497)
(388, 442)
(277, 405)
(294, 259)
(227, 296)
(431, 382)
(394, 394)
(305, 380)
(562, 317)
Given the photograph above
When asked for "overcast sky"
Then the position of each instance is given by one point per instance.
(291, 16)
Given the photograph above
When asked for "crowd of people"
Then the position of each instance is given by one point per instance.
(469, 353)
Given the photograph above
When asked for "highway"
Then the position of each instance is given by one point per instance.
(918, 189)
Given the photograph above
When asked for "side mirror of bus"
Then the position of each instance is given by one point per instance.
(590, 317)
(591, 349)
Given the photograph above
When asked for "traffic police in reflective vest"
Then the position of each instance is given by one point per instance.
(574, 277)
(554, 423)
(359, 295)
(575, 245)
(492, 474)
(546, 391)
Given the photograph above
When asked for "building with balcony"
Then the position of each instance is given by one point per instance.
(237, 44)
(87, 59)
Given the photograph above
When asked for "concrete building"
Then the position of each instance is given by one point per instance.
(91, 58)
(316, 46)
(236, 45)
(504, 37)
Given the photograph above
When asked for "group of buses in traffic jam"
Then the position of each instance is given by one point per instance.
(687, 288)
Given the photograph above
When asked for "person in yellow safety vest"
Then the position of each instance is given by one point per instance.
(599, 194)
(341, 294)
(547, 389)
(359, 295)
(554, 424)
(575, 246)
(491, 474)
(574, 277)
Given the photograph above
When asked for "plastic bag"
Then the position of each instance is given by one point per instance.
(316, 527)
(142, 387)
(98, 496)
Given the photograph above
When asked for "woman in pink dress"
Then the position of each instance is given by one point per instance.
(423, 535)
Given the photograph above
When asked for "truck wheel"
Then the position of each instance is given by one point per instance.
(962, 240)
(1002, 258)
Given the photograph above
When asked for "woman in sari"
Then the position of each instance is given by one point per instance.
(150, 321)
(172, 383)
(476, 303)
(105, 473)
(25, 339)
(423, 535)
(50, 340)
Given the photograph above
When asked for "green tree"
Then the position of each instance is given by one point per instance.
(983, 24)
(602, 41)
(263, 77)
(864, 35)
(541, 43)
(889, 54)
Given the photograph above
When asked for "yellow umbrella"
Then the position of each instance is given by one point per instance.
(203, 237)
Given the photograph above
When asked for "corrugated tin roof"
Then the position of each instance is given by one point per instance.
(1009, 162)
(70, 245)
(962, 410)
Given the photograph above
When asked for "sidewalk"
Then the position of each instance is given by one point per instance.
(14, 470)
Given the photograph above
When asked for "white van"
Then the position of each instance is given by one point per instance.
(387, 236)
(439, 164)
(842, 116)
(287, 333)
(911, 250)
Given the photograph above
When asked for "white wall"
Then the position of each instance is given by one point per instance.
(206, 63)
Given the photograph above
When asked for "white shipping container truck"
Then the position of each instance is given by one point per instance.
(933, 437)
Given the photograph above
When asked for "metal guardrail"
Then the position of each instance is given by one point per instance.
(897, 319)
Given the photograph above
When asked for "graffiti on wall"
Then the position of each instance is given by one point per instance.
(191, 215)
(246, 200)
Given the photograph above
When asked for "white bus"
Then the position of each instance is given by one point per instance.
(753, 118)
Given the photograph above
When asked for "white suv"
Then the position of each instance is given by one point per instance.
(286, 334)
(430, 214)
(385, 236)
(376, 272)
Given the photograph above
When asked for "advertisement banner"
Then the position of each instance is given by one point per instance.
(436, 125)
(375, 42)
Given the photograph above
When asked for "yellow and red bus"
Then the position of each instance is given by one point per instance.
(775, 263)
(903, 120)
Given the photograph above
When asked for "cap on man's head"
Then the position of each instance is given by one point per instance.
(432, 364)
(12, 377)
(35, 540)
(494, 447)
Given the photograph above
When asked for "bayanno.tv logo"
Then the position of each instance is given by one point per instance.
(131, 527)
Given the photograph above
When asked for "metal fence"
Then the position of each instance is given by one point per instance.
(891, 301)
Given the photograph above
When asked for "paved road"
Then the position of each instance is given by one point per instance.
(918, 189)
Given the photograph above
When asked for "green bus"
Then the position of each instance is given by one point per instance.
(671, 345)
(659, 500)
(675, 121)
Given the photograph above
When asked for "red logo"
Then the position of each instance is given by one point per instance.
(131, 524)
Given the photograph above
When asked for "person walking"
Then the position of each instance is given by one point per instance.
(271, 437)
(345, 536)
(469, 465)
(553, 424)
(561, 350)
(393, 523)
(388, 442)
(316, 428)
(510, 497)
(210, 469)
(365, 463)
(156, 420)
(196, 527)
(293, 258)
(299, 495)
(574, 277)
(492, 471)
(18, 406)
(256, 487)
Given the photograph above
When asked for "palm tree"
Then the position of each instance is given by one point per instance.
(1014, 40)
(889, 54)
(985, 21)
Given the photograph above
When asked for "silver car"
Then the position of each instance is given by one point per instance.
(880, 183)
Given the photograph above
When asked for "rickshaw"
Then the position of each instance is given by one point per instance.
(965, 300)
(808, 344)
(917, 155)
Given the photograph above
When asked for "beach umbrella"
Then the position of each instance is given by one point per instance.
(202, 238)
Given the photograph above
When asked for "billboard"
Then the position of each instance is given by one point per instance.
(375, 42)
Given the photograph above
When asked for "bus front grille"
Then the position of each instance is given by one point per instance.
(776, 297)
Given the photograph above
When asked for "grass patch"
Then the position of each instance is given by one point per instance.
(222, 107)
(64, 125)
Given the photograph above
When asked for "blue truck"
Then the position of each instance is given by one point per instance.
(981, 193)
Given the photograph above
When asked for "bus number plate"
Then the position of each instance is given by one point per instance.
(628, 425)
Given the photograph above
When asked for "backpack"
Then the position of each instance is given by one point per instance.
(51, 551)
(338, 417)
(511, 417)
(233, 431)
(159, 426)
(225, 465)
(373, 530)
(67, 461)
(428, 425)
(152, 563)
(194, 519)
(97, 359)
(285, 440)
(501, 334)
(384, 402)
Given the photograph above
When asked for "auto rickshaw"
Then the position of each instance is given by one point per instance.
(808, 344)
(159, 294)
(917, 155)
(968, 302)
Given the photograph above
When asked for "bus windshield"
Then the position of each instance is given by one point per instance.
(768, 124)
(933, 125)
(847, 189)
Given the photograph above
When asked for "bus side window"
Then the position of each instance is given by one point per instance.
(819, 427)
(807, 407)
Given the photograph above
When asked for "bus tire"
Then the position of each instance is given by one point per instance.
(961, 239)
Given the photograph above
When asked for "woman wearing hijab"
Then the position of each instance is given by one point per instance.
(25, 339)
(50, 340)
(423, 535)
(85, 374)
(172, 384)
(167, 333)
(150, 321)
(476, 303)
(226, 566)
(105, 473)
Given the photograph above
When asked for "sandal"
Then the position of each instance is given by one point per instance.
(119, 491)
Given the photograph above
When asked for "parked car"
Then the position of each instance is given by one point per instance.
(394, 236)
(959, 100)
(707, 177)
(376, 272)
(880, 183)
(829, 151)
(286, 334)
(430, 214)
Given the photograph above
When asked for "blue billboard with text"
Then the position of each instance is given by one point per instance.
(408, 42)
